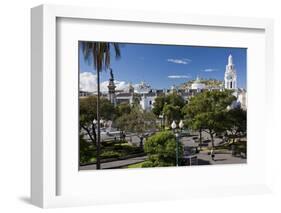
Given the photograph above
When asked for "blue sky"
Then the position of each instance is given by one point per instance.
(161, 66)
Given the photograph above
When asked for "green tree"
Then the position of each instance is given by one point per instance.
(194, 124)
(175, 99)
(136, 100)
(121, 109)
(99, 54)
(88, 113)
(137, 121)
(161, 150)
(158, 105)
(170, 106)
(236, 123)
(85, 152)
(207, 111)
(172, 112)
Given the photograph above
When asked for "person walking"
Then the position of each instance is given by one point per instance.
(213, 154)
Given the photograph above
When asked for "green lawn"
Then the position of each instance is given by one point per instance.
(136, 165)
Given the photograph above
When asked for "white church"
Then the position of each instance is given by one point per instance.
(230, 77)
(230, 82)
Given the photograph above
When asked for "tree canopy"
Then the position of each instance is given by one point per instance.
(161, 150)
(137, 121)
(88, 109)
(170, 106)
(236, 123)
(98, 53)
(208, 110)
(122, 108)
(88, 113)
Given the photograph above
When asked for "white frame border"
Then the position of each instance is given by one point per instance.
(43, 89)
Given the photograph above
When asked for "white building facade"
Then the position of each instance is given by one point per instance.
(143, 91)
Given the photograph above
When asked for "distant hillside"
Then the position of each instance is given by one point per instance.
(208, 83)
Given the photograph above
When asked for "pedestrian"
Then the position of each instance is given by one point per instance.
(124, 136)
(213, 154)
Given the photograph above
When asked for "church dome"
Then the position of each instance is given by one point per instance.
(197, 84)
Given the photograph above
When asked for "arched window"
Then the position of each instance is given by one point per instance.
(230, 84)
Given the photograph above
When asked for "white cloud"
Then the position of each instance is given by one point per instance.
(210, 70)
(179, 76)
(179, 61)
(121, 85)
(88, 82)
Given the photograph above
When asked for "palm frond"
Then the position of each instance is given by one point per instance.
(99, 53)
(117, 50)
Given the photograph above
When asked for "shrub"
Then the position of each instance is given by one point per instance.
(147, 164)
(161, 150)
(87, 151)
(110, 154)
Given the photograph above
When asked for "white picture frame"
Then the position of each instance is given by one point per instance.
(45, 152)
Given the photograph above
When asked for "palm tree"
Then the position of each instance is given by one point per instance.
(98, 53)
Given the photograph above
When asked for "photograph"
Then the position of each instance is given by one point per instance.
(161, 105)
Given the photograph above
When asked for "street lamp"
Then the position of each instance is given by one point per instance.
(181, 125)
(94, 126)
(94, 129)
(228, 108)
(174, 126)
(94, 121)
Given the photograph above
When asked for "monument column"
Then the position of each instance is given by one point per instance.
(111, 89)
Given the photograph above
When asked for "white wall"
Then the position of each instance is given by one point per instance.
(15, 98)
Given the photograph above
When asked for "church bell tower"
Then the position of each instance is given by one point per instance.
(230, 77)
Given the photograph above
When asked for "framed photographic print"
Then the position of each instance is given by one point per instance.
(163, 110)
(148, 105)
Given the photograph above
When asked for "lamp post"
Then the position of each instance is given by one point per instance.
(96, 123)
(174, 126)
(94, 126)
(228, 108)
(94, 129)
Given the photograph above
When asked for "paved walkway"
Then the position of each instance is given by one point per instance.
(205, 159)
(115, 164)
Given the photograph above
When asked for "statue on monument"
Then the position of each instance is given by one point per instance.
(111, 88)
(111, 74)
